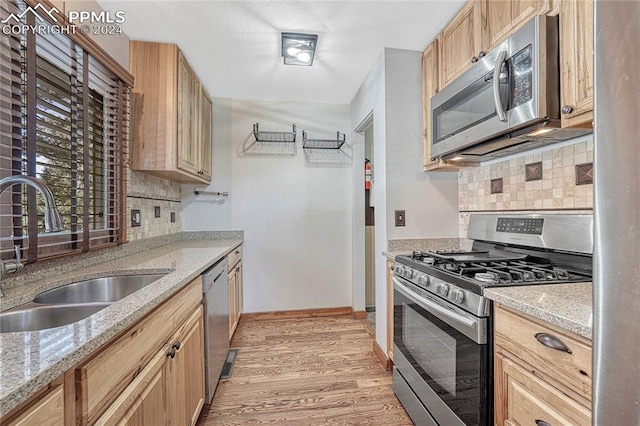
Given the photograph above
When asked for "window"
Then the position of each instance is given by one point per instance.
(64, 120)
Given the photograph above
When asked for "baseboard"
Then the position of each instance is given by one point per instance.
(379, 353)
(359, 314)
(300, 313)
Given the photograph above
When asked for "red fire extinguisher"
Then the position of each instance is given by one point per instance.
(367, 174)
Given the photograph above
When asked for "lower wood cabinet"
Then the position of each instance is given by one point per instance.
(47, 409)
(390, 264)
(542, 373)
(151, 374)
(235, 297)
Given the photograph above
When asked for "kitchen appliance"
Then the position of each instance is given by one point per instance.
(443, 349)
(508, 101)
(215, 288)
(616, 344)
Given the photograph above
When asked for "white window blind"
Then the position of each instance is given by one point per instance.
(64, 119)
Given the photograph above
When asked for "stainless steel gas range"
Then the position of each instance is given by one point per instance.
(443, 353)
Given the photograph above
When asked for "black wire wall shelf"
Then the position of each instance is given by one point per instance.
(323, 143)
(264, 136)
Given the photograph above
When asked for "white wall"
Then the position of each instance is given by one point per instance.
(296, 216)
(430, 200)
(392, 93)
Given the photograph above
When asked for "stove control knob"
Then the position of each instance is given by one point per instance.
(407, 273)
(423, 280)
(442, 289)
(457, 295)
(397, 269)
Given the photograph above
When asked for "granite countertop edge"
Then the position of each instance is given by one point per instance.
(567, 306)
(15, 388)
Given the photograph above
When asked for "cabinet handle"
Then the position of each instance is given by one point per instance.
(176, 345)
(237, 269)
(482, 54)
(552, 342)
(567, 109)
(237, 251)
(542, 423)
(391, 267)
(172, 353)
(474, 59)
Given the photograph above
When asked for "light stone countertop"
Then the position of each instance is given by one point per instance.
(30, 360)
(568, 306)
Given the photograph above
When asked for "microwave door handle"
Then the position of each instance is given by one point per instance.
(502, 114)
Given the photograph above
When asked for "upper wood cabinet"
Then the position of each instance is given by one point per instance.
(430, 88)
(460, 42)
(503, 17)
(576, 62)
(171, 115)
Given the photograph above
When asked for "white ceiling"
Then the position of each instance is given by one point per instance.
(234, 46)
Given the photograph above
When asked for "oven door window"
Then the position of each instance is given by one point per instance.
(452, 365)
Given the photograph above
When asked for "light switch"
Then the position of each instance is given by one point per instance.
(400, 218)
(156, 211)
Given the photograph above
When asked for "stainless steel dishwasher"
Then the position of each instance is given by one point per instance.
(215, 286)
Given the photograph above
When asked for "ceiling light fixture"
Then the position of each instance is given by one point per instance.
(299, 49)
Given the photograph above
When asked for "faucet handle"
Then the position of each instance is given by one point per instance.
(18, 258)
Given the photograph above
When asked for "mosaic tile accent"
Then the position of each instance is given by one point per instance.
(584, 174)
(496, 186)
(533, 171)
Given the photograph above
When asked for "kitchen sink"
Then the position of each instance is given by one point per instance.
(98, 290)
(34, 318)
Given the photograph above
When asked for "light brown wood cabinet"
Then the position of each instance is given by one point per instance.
(234, 259)
(460, 41)
(503, 17)
(535, 381)
(576, 63)
(184, 371)
(46, 410)
(151, 374)
(171, 115)
(390, 264)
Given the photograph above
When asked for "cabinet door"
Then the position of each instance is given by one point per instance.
(239, 299)
(232, 303)
(188, 118)
(524, 399)
(576, 62)
(390, 264)
(143, 401)
(184, 371)
(206, 111)
(503, 17)
(48, 410)
(460, 41)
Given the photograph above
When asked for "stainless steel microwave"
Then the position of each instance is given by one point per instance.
(508, 101)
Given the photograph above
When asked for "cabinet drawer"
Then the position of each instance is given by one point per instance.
(531, 400)
(100, 380)
(48, 410)
(234, 257)
(517, 335)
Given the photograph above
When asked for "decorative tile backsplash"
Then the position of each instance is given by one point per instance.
(159, 203)
(555, 188)
(561, 182)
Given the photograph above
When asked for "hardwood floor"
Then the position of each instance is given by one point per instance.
(305, 371)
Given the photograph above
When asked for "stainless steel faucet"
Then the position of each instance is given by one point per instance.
(52, 218)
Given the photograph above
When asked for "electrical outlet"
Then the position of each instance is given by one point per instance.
(173, 217)
(136, 218)
(400, 218)
(156, 211)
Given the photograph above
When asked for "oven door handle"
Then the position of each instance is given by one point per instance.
(428, 304)
(497, 99)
